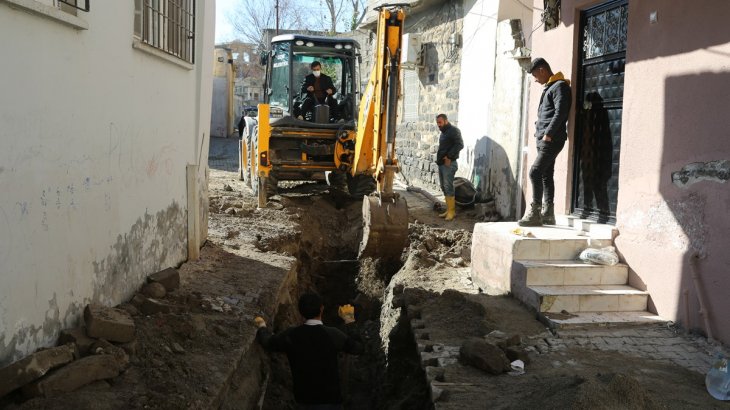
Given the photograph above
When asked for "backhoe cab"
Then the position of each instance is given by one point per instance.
(350, 140)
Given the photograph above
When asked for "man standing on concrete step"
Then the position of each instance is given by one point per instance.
(551, 133)
(450, 144)
(312, 350)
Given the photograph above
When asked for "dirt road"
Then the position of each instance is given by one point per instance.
(414, 316)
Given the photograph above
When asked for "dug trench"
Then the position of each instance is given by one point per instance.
(328, 237)
(415, 315)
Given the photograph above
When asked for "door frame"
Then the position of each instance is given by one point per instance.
(591, 10)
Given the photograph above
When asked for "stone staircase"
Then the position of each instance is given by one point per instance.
(543, 271)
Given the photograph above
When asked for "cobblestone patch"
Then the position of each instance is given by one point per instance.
(659, 342)
(223, 154)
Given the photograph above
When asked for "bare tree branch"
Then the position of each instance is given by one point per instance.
(252, 17)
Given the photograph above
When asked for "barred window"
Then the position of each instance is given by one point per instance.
(168, 25)
(73, 5)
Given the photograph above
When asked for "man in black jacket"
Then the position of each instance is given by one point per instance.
(551, 134)
(312, 350)
(450, 143)
(241, 124)
(317, 88)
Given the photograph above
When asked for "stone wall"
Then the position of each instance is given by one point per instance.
(438, 82)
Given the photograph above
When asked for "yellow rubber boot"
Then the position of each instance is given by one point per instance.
(450, 208)
(444, 213)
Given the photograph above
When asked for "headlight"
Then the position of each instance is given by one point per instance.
(310, 44)
(299, 42)
(338, 46)
(348, 46)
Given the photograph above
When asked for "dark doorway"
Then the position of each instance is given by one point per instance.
(599, 104)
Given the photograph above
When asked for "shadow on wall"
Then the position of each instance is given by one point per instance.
(695, 166)
(492, 173)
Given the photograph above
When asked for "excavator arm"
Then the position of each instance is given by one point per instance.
(385, 214)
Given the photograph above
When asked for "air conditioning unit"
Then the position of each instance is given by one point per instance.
(410, 57)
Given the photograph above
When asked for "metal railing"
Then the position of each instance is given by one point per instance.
(75, 4)
(169, 25)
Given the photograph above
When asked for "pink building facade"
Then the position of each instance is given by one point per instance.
(649, 142)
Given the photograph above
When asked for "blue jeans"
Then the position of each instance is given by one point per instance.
(446, 177)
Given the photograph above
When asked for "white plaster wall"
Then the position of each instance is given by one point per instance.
(477, 76)
(96, 137)
(501, 150)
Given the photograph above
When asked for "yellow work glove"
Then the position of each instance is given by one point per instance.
(259, 321)
(347, 313)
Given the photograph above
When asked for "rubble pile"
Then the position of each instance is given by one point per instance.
(98, 350)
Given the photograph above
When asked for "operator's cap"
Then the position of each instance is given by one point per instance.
(537, 63)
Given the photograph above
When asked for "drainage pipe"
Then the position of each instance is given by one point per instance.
(411, 188)
(694, 259)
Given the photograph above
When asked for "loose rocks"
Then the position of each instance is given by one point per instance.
(154, 290)
(115, 325)
(33, 367)
(75, 375)
(78, 337)
(485, 356)
(169, 278)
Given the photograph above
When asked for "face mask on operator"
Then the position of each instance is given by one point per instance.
(316, 72)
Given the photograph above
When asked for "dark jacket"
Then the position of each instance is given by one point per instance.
(241, 125)
(325, 82)
(450, 143)
(552, 114)
(312, 352)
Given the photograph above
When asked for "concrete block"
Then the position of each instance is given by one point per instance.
(115, 325)
(75, 375)
(78, 337)
(32, 367)
(169, 278)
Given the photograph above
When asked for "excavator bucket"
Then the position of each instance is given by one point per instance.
(385, 228)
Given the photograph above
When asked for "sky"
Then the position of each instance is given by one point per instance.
(223, 29)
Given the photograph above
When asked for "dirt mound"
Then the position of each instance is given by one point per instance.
(613, 391)
(437, 248)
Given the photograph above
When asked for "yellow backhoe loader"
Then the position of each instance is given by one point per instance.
(350, 140)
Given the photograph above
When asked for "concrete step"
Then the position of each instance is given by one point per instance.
(600, 319)
(495, 246)
(590, 228)
(569, 272)
(592, 298)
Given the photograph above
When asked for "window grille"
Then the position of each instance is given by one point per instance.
(82, 5)
(168, 25)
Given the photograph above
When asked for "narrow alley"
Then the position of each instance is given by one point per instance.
(195, 348)
(426, 205)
